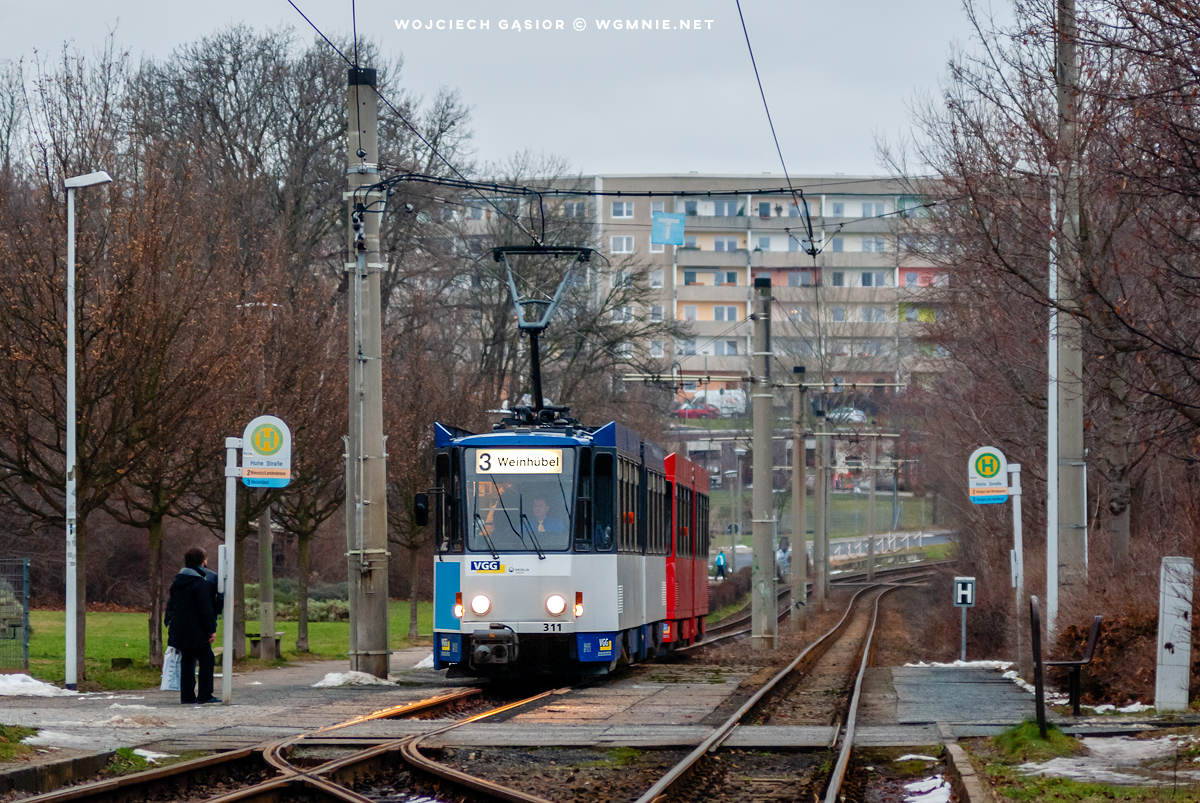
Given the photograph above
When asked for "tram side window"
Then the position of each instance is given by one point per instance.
(627, 475)
(583, 504)
(702, 525)
(602, 507)
(668, 518)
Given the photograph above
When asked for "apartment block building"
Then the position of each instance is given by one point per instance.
(851, 314)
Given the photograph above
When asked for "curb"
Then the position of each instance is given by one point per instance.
(967, 784)
(53, 775)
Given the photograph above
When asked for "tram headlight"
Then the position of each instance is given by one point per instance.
(556, 604)
(480, 604)
(458, 608)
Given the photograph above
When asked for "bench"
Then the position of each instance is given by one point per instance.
(1075, 668)
(256, 644)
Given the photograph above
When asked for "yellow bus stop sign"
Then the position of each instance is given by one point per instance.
(987, 476)
(266, 453)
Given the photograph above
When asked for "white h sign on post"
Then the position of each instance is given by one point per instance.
(1174, 635)
(964, 597)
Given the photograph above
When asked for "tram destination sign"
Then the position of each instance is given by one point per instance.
(266, 453)
(987, 476)
(519, 461)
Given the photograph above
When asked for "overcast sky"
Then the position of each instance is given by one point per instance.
(836, 74)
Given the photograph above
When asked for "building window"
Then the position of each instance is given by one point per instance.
(875, 244)
(838, 244)
(622, 209)
(764, 208)
(941, 280)
(730, 277)
(874, 278)
(657, 206)
(474, 213)
(910, 279)
(872, 209)
(725, 243)
(793, 210)
(794, 278)
(722, 313)
(623, 350)
(656, 278)
(764, 243)
(623, 314)
(725, 208)
(690, 312)
(839, 314)
(689, 208)
(874, 315)
(801, 314)
(657, 248)
(689, 347)
(656, 348)
(689, 277)
(909, 313)
(839, 210)
(690, 242)
(725, 348)
(575, 209)
(621, 245)
(839, 279)
(656, 313)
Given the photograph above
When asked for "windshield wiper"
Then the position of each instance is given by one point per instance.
(532, 533)
(481, 528)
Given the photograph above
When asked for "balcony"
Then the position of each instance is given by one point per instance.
(859, 259)
(695, 258)
(781, 259)
(881, 296)
(703, 292)
(713, 366)
(728, 329)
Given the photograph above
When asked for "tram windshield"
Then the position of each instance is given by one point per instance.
(519, 499)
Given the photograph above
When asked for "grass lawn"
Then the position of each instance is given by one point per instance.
(126, 635)
(847, 514)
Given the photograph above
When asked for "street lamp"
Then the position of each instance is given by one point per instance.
(72, 184)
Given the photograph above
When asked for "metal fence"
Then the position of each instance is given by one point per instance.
(14, 614)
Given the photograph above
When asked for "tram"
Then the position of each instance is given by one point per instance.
(564, 549)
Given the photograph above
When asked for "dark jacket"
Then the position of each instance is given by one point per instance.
(191, 618)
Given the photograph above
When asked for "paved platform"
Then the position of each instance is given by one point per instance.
(972, 701)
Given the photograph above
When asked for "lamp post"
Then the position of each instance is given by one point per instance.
(72, 184)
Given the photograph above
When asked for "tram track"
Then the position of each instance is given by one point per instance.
(700, 775)
(319, 766)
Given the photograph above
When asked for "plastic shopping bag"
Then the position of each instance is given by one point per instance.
(172, 665)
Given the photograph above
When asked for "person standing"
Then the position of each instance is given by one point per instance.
(192, 626)
(720, 562)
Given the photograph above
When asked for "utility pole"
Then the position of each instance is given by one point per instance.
(799, 562)
(871, 514)
(820, 553)
(366, 467)
(1072, 472)
(763, 620)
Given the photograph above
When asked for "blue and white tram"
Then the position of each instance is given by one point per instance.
(551, 549)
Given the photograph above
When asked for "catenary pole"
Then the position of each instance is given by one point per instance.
(763, 620)
(871, 513)
(1072, 469)
(820, 552)
(799, 561)
(366, 490)
(72, 645)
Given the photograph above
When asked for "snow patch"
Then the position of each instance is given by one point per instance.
(426, 663)
(151, 756)
(1108, 756)
(1135, 708)
(915, 757)
(350, 679)
(928, 790)
(57, 739)
(25, 686)
(958, 664)
(145, 707)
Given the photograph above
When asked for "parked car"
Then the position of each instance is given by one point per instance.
(696, 410)
(847, 415)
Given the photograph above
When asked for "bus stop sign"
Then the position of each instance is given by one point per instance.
(266, 453)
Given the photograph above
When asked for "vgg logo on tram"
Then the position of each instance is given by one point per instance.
(486, 566)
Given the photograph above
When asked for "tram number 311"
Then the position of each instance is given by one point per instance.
(551, 626)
